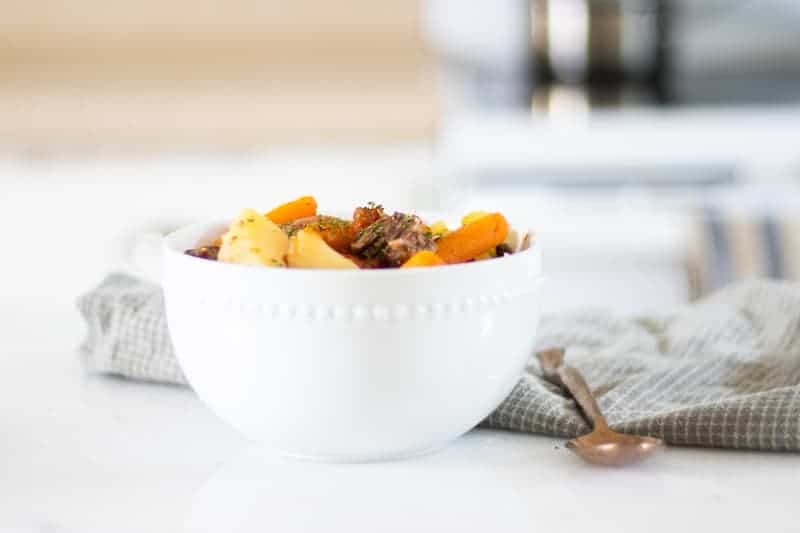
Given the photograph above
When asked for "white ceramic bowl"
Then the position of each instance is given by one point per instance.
(350, 365)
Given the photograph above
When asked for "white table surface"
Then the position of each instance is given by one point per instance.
(91, 453)
(99, 454)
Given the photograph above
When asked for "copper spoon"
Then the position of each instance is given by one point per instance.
(603, 445)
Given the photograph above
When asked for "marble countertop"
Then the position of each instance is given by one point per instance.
(83, 453)
(90, 453)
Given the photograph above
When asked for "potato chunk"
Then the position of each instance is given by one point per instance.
(307, 249)
(425, 258)
(252, 239)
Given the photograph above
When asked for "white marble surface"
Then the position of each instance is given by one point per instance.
(99, 454)
(85, 453)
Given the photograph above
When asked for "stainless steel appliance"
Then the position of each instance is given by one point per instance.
(619, 53)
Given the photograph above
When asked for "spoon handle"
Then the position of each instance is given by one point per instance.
(552, 362)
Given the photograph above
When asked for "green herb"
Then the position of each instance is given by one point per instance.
(325, 223)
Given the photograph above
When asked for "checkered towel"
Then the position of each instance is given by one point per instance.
(723, 372)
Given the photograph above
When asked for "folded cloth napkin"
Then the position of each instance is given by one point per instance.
(723, 372)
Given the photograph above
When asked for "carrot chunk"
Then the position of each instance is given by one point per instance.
(336, 232)
(300, 208)
(471, 240)
(363, 217)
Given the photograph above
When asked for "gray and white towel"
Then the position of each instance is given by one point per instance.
(723, 372)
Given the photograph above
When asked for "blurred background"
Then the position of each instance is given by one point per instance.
(653, 144)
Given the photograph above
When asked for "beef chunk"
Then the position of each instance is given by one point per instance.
(204, 252)
(503, 249)
(392, 240)
(290, 228)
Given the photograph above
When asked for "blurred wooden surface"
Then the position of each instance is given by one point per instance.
(205, 74)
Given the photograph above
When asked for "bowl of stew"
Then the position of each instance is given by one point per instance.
(370, 337)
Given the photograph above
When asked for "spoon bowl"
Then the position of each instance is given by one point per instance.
(603, 445)
(607, 447)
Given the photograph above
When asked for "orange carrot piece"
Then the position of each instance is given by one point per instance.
(424, 258)
(300, 208)
(473, 239)
(337, 234)
(364, 217)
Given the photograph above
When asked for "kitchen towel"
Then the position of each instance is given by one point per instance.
(722, 372)
(725, 246)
